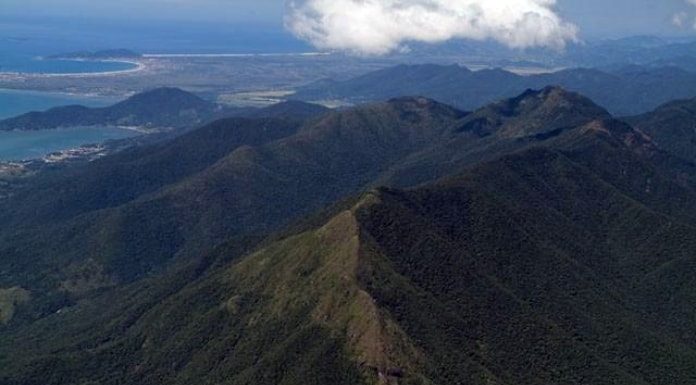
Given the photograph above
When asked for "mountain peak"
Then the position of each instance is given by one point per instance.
(534, 112)
(165, 94)
(550, 99)
(552, 94)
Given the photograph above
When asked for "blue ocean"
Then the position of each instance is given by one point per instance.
(24, 42)
(13, 103)
(23, 145)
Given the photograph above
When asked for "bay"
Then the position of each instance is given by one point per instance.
(24, 145)
(15, 102)
(22, 63)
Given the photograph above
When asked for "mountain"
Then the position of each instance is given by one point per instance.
(542, 266)
(158, 108)
(448, 84)
(534, 113)
(141, 208)
(686, 62)
(625, 91)
(533, 118)
(535, 240)
(672, 126)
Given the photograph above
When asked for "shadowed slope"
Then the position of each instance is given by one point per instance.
(672, 126)
(559, 249)
(533, 118)
(541, 267)
(133, 212)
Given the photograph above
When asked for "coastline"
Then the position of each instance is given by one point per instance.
(58, 93)
(18, 101)
(31, 146)
(231, 55)
(140, 65)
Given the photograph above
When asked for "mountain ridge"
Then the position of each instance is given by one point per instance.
(396, 229)
(671, 126)
(622, 93)
(552, 244)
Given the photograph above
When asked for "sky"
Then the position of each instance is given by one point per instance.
(339, 24)
(621, 18)
(229, 11)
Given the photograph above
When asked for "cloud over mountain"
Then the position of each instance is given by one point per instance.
(376, 27)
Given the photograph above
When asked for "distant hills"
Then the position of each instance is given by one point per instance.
(162, 107)
(154, 109)
(534, 240)
(647, 51)
(624, 91)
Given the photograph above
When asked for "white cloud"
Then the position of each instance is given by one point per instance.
(680, 18)
(685, 19)
(376, 27)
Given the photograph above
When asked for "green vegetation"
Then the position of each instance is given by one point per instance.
(672, 126)
(9, 300)
(534, 241)
(141, 208)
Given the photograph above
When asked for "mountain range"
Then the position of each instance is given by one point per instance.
(627, 90)
(534, 240)
(160, 108)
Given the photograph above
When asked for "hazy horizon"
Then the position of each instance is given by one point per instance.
(217, 25)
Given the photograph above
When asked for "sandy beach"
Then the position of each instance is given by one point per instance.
(140, 65)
